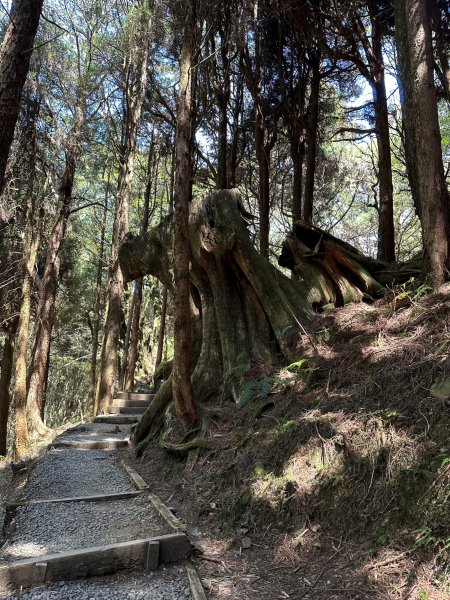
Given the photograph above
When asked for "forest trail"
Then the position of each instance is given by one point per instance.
(87, 525)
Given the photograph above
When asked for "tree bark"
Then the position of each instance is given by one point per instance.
(223, 91)
(311, 154)
(297, 148)
(135, 94)
(32, 236)
(386, 230)
(45, 315)
(5, 382)
(15, 55)
(442, 44)
(134, 339)
(98, 299)
(162, 327)
(422, 134)
(184, 402)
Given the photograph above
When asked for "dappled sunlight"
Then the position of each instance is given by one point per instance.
(21, 550)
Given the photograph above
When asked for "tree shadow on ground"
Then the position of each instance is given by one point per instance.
(355, 454)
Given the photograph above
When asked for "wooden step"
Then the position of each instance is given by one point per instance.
(117, 419)
(108, 444)
(125, 402)
(148, 553)
(133, 396)
(127, 410)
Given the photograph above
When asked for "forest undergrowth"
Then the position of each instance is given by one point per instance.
(344, 451)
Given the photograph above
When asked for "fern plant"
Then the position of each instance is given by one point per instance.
(255, 388)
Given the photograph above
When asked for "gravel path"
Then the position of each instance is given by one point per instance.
(95, 432)
(65, 473)
(49, 527)
(56, 527)
(165, 584)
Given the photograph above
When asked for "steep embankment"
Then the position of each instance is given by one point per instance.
(335, 483)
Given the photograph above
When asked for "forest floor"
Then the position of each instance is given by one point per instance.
(334, 482)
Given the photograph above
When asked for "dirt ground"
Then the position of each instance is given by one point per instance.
(336, 484)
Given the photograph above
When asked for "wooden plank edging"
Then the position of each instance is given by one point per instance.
(134, 476)
(94, 498)
(168, 516)
(198, 593)
(94, 561)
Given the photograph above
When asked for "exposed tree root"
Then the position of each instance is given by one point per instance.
(184, 449)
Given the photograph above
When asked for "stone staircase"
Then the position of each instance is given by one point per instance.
(126, 408)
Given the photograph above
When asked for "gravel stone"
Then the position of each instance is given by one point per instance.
(56, 527)
(65, 473)
(166, 584)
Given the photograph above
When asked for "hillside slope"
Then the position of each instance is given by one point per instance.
(333, 480)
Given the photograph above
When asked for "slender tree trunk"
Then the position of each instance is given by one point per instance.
(15, 55)
(223, 90)
(44, 320)
(132, 354)
(134, 340)
(45, 315)
(386, 231)
(126, 344)
(442, 45)
(422, 134)
(31, 246)
(235, 130)
(32, 237)
(5, 382)
(98, 299)
(297, 146)
(263, 158)
(183, 397)
(162, 327)
(311, 153)
(135, 94)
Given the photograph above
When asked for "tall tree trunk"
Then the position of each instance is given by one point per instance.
(32, 237)
(184, 402)
(162, 327)
(263, 158)
(311, 153)
(15, 55)
(375, 58)
(422, 134)
(31, 246)
(135, 94)
(5, 382)
(134, 341)
(386, 232)
(442, 43)
(132, 355)
(98, 299)
(297, 148)
(126, 345)
(45, 315)
(45, 318)
(223, 90)
(238, 86)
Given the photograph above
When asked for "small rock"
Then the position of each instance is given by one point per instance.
(441, 388)
(246, 543)
(206, 583)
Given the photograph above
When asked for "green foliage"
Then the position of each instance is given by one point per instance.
(253, 389)
(414, 292)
